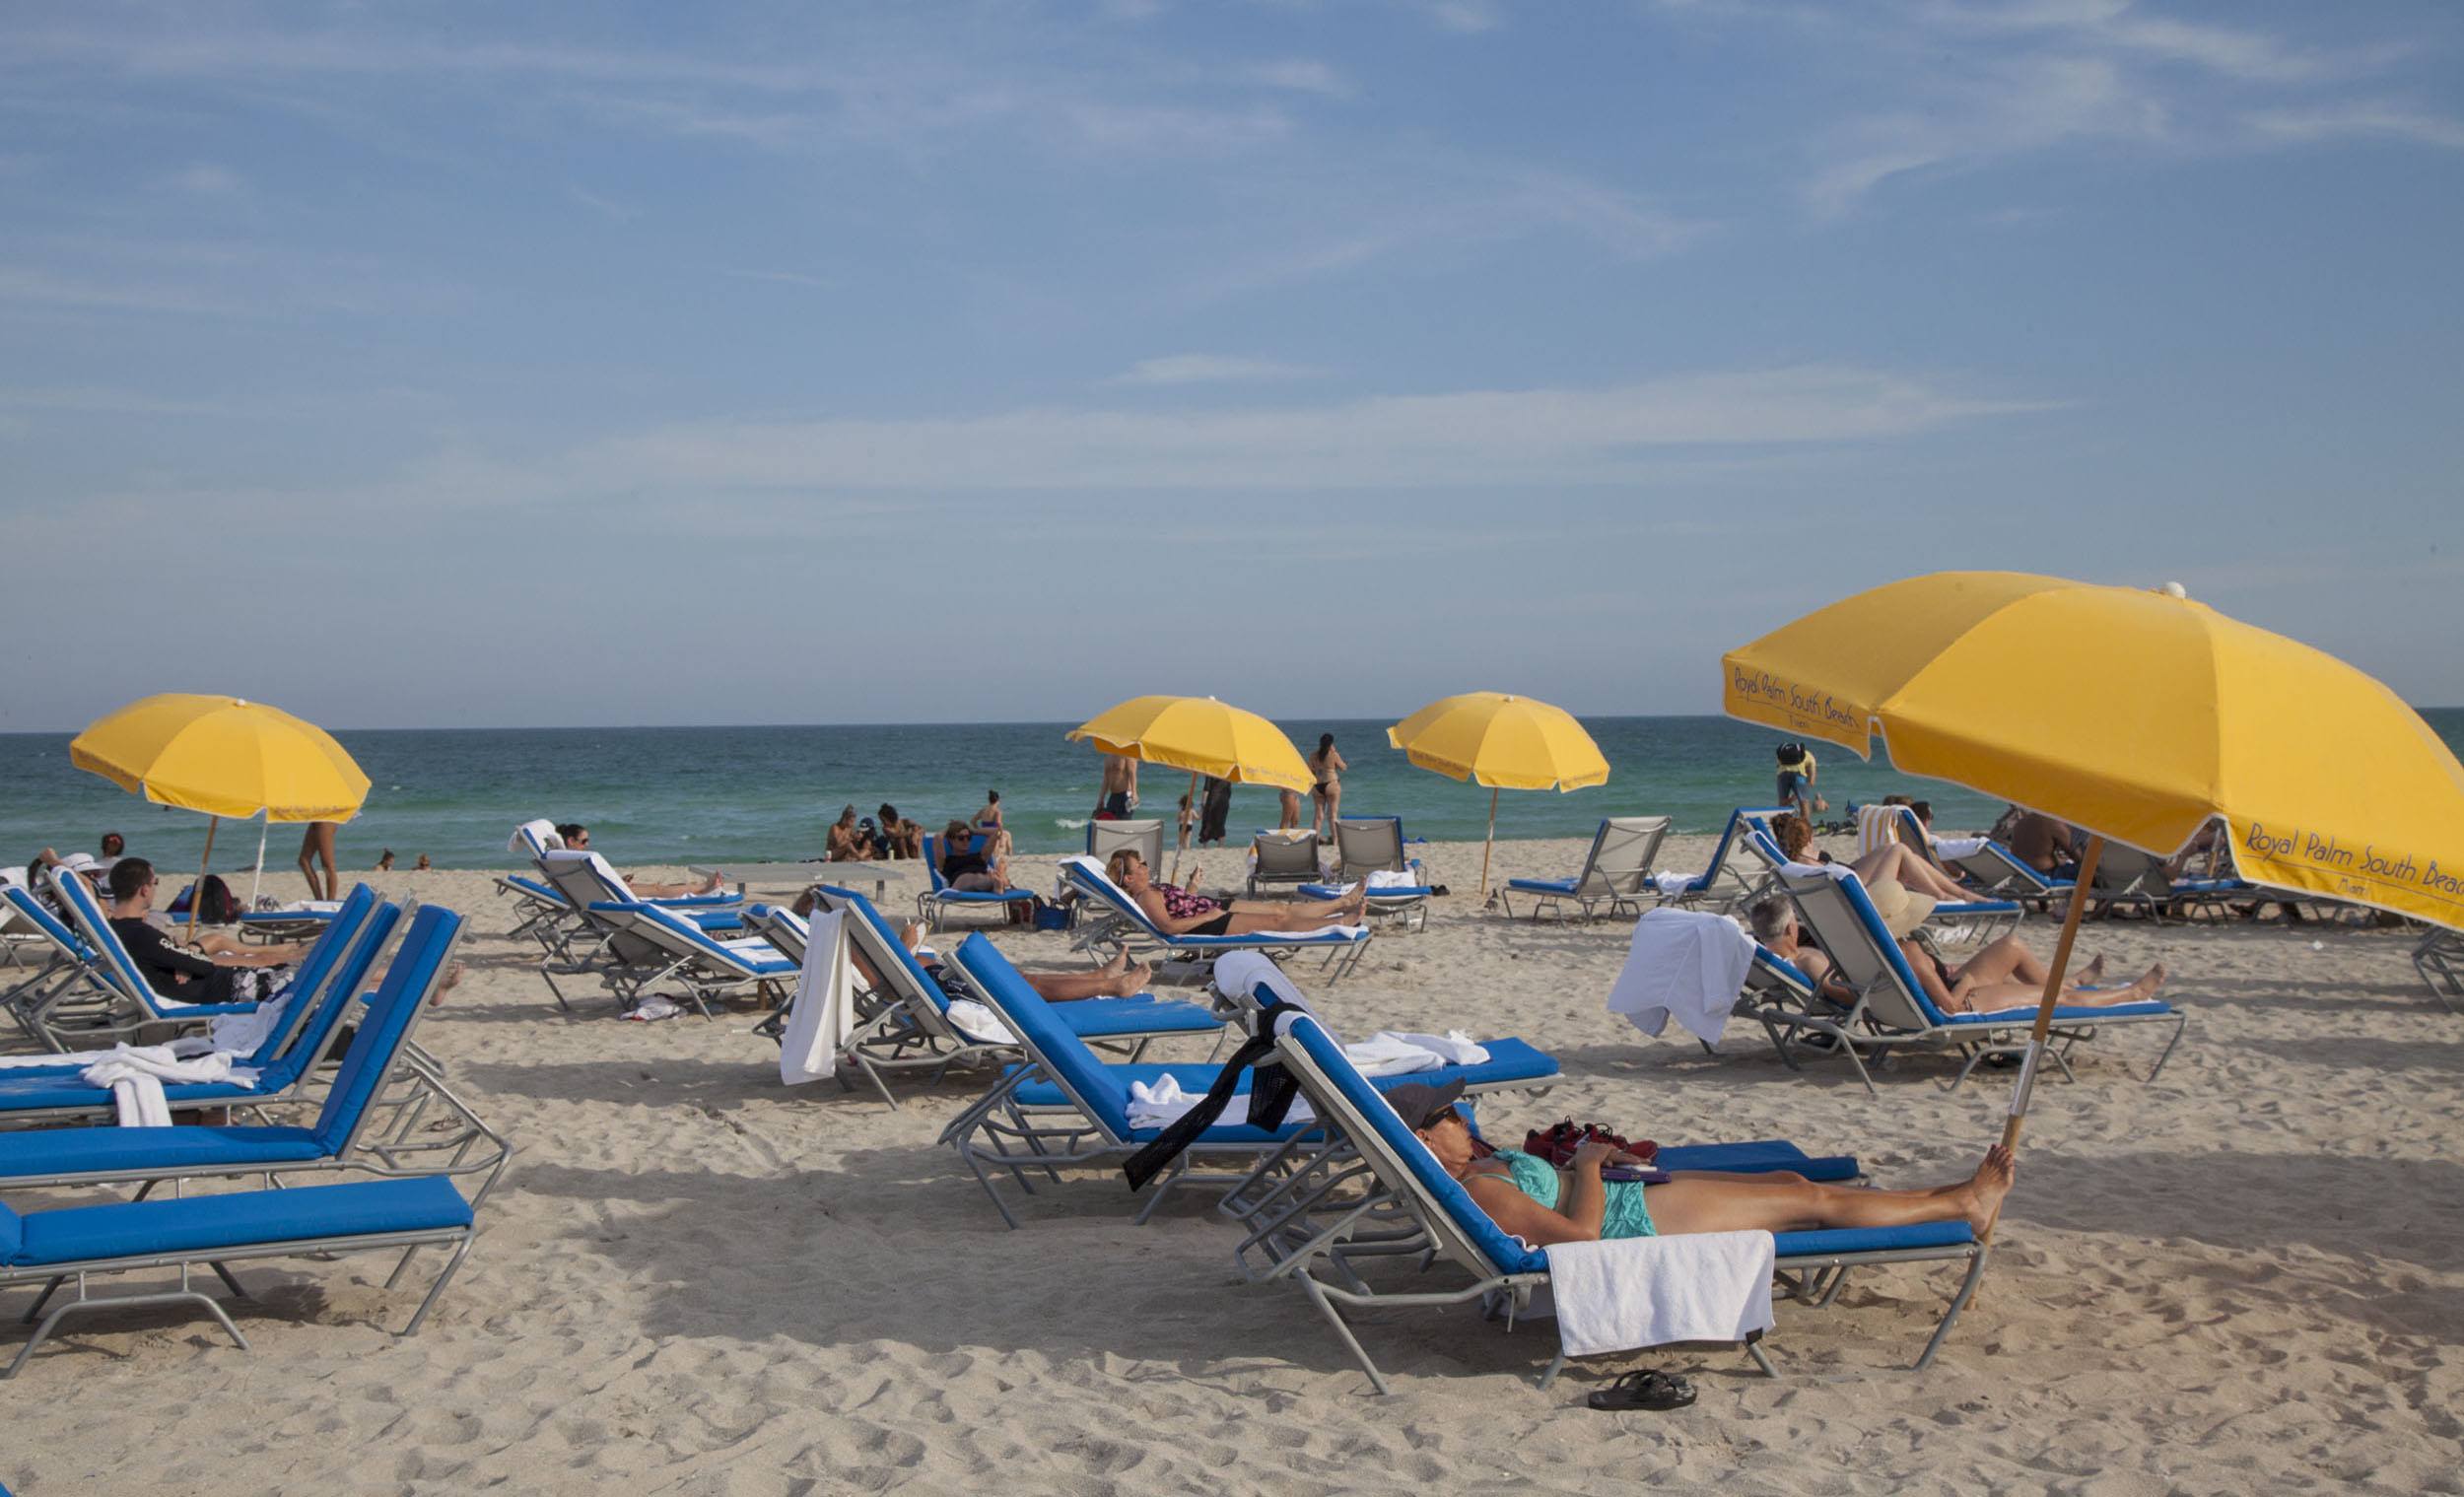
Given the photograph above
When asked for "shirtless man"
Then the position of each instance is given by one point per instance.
(1120, 795)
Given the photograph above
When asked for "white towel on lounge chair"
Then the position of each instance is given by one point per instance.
(1155, 1103)
(135, 1073)
(1649, 1291)
(821, 1017)
(542, 830)
(1400, 1052)
(979, 1023)
(1686, 963)
(1672, 885)
(1948, 847)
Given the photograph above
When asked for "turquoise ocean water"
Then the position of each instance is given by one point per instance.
(713, 795)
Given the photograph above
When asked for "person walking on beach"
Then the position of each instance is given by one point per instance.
(1120, 795)
(1795, 782)
(1326, 767)
(319, 843)
(1215, 803)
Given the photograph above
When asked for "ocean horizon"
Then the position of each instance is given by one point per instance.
(747, 794)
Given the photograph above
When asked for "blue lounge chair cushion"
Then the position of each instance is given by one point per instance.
(49, 1089)
(1978, 907)
(1106, 1018)
(77, 1151)
(532, 886)
(981, 896)
(1509, 1060)
(1389, 891)
(2071, 1013)
(1761, 1156)
(1542, 885)
(202, 1223)
(1930, 1233)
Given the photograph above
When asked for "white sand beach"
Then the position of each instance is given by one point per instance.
(2248, 1276)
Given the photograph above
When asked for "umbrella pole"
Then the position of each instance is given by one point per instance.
(263, 825)
(1176, 829)
(196, 896)
(1490, 842)
(2010, 1125)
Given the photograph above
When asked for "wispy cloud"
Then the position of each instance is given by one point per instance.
(1438, 441)
(1205, 368)
(1300, 75)
(2385, 122)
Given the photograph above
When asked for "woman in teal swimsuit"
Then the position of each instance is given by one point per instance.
(1534, 1200)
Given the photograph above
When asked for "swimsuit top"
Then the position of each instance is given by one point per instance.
(1180, 904)
(1626, 1216)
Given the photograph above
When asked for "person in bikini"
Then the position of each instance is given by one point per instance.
(1533, 1199)
(1177, 912)
(1326, 767)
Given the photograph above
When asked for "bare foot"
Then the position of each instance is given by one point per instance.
(1993, 1181)
(452, 976)
(2153, 978)
(717, 882)
(1118, 964)
(1129, 982)
(2092, 972)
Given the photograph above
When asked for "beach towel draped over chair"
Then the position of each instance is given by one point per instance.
(1369, 851)
(1379, 1196)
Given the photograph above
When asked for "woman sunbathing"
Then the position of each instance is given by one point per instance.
(1898, 861)
(1177, 912)
(1542, 1205)
(2004, 974)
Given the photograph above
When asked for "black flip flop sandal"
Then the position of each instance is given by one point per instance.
(1652, 1390)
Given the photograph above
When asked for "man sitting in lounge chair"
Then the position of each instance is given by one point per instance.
(1535, 1200)
(1177, 912)
(577, 839)
(214, 973)
(2004, 974)
(1115, 979)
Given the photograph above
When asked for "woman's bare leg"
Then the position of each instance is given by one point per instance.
(1915, 874)
(1686, 1204)
(1068, 987)
(1990, 996)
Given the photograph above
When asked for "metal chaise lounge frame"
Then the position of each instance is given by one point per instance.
(936, 902)
(287, 1061)
(1137, 932)
(1892, 1013)
(1997, 874)
(647, 945)
(68, 995)
(220, 1230)
(1617, 871)
(1087, 1123)
(1719, 886)
(907, 1028)
(2439, 958)
(380, 1071)
(1388, 1197)
(1366, 844)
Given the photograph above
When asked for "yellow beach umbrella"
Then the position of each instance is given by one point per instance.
(1201, 735)
(2138, 714)
(1198, 735)
(1503, 742)
(224, 757)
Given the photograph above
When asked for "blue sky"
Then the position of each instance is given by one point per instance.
(558, 363)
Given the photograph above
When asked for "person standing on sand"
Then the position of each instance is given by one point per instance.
(994, 830)
(1120, 795)
(1215, 802)
(319, 843)
(1291, 812)
(1326, 767)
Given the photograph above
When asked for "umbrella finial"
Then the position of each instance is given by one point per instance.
(2175, 590)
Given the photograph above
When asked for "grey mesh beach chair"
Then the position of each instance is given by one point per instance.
(1370, 848)
(1285, 858)
(1617, 872)
(1145, 837)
